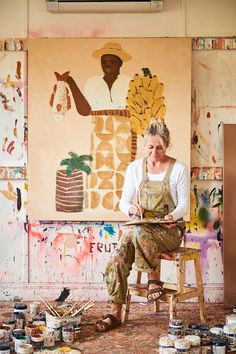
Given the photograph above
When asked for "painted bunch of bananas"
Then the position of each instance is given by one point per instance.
(145, 100)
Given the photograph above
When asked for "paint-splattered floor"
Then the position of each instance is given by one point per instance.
(140, 334)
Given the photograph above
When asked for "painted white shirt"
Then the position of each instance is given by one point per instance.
(179, 186)
(99, 96)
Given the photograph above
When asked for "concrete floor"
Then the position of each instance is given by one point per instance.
(140, 334)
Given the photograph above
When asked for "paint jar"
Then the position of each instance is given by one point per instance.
(182, 345)
(230, 333)
(169, 351)
(18, 340)
(217, 331)
(203, 328)
(37, 341)
(5, 348)
(18, 332)
(25, 349)
(68, 334)
(165, 342)
(34, 308)
(175, 329)
(219, 346)
(195, 341)
(29, 328)
(77, 330)
(20, 319)
(55, 324)
(6, 331)
(206, 345)
(230, 319)
(49, 338)
(9, 323)
(18, 307)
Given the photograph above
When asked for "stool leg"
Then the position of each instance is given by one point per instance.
(126, 308)
(200, 288)
(172, 308)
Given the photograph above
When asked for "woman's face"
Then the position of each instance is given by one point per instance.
(111, 64)
(154, 147)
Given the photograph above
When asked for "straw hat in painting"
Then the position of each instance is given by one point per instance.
(113, 49)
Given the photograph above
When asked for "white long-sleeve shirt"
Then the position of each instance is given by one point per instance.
(179, 186)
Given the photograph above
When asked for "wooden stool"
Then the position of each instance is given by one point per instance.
(175, 292)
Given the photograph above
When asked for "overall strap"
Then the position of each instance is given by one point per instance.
(169, 169)
(144, 170)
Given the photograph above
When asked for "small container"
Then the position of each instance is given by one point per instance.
(77, 330)
(182, 345)
(6, 332)
(37, 341)
(218, 331)
(18, 340)
(34, 308)
(20, 319)
(49, 338)
(165, 342)
(195, 341)
(18, 332)
(175, 329)
(230, 319)
(68, 334)
(9, 323)
(206, 345)
(203, 328)
(219, 346)
(230, 333)
(25, 349)
(29, 328)
(2, 337)
(5, 348)
(18, 307)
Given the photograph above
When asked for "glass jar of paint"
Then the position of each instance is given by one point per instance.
(18, 307)
(182, 345)
(175, 329)
(219, 345)
(5, 348)
(25, 349)
(195, 341)
(229, 331)
(165, 342)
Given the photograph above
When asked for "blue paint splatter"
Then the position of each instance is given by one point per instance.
(110, 230)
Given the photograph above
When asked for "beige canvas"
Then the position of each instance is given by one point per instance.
(108, 136)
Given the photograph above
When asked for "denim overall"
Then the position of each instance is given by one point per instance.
(143, 244)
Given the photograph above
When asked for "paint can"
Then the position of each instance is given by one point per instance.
(219, 345)
(18, 340)
(18, 307)
(217, 331)
(5, 348)
(195, 341)
(165, 342)
(68, 334)
(25, 349)
(20, 320)
(29, 328)
(182, 345)
(77, 330)
(49, 338)
(6, 332)
(55, 324)
(230, 333)
(175, 329)
(230, 319)
(34, 308)
(37, 341)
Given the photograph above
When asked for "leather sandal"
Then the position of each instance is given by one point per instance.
(104, 326)
(157, 292)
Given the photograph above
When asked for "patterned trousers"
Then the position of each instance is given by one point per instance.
(141, 245)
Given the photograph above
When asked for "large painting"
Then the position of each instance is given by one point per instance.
(90, 101)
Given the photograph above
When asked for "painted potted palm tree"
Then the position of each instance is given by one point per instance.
(69, 183)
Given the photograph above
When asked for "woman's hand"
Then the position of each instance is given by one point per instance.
(168, 217)
(136, 210)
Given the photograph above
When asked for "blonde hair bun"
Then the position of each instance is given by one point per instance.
(158, 127)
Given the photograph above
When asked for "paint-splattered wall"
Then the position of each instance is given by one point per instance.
(41, 257)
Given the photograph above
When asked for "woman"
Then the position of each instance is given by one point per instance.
(161, 187)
